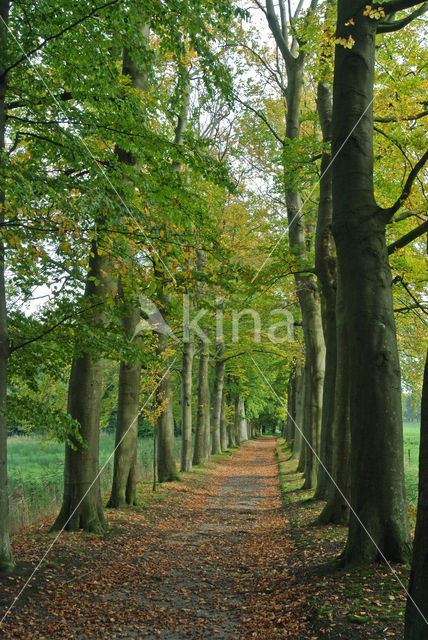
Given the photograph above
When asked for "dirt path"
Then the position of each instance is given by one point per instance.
(212, 560)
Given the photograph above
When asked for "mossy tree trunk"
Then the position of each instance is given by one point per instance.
(166, 465)
(201, 452)
(377, 469)
(81, 506)
(186, 405)
(124, 487)
(336, 509)
(224, 438)
(415, 625)
(325, 268)
(218, 397)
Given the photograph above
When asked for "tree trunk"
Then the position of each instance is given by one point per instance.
(201, 454)
(218, 396)
(377, 469)
(307, 289)
(167, 468)
(336, 510)
(300, 390)
(288, 429)
(125, 458)
(234, 427)
(415, 625)
(224, 439)
(242, 424)
(325, 267)
(186, 405)
(81, 506)
(6, 558)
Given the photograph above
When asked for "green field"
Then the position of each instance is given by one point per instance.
(411, 433)
(35, 469)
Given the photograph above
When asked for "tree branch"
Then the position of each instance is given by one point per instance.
(405, 118)
(59, 34)
(277, 33)
(388, 213)
(261, 116)
(408, 237)
(396, 25)
(55, 326)
(398, 5)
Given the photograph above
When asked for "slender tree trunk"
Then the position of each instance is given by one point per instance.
(201, 454)
(124, 485)
(81, 506)
(377, 468)
(186, 406)
(125, 459)
(218, 396)
(288, 429)
(300, 391)
(224, 438)
(6, 558)
(234, 427)
(336, 510)
(306, 285)
(325, 267)
(167, 468)
(307, 290)
(242, 424)
(415, 625)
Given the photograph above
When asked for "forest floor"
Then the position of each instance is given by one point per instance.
(218, 555)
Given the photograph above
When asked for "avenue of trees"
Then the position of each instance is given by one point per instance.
(214, 219)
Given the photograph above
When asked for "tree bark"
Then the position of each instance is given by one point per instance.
(218, 396)
(201, 453)
(325, 268)
(307, 289)
(81, 506)
(415, 625)
(124, 485)
(6, 558)
(336, 509)
(186, 405)
(300, 391)
(377, 470)
(167, 468)
(242, 424)
(224, 439)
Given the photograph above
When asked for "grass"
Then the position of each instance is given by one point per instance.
(36, 469)
(411, 434)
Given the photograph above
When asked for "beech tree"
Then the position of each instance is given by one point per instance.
(378, 525)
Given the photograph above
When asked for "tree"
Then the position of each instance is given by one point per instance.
(283, 31)
(379, 528)
(6, 559)
(417, 601)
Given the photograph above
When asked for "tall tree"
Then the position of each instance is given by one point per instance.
(81, 504)
(417, 602)
(294, 57)
(6, 559)
(379, 527)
